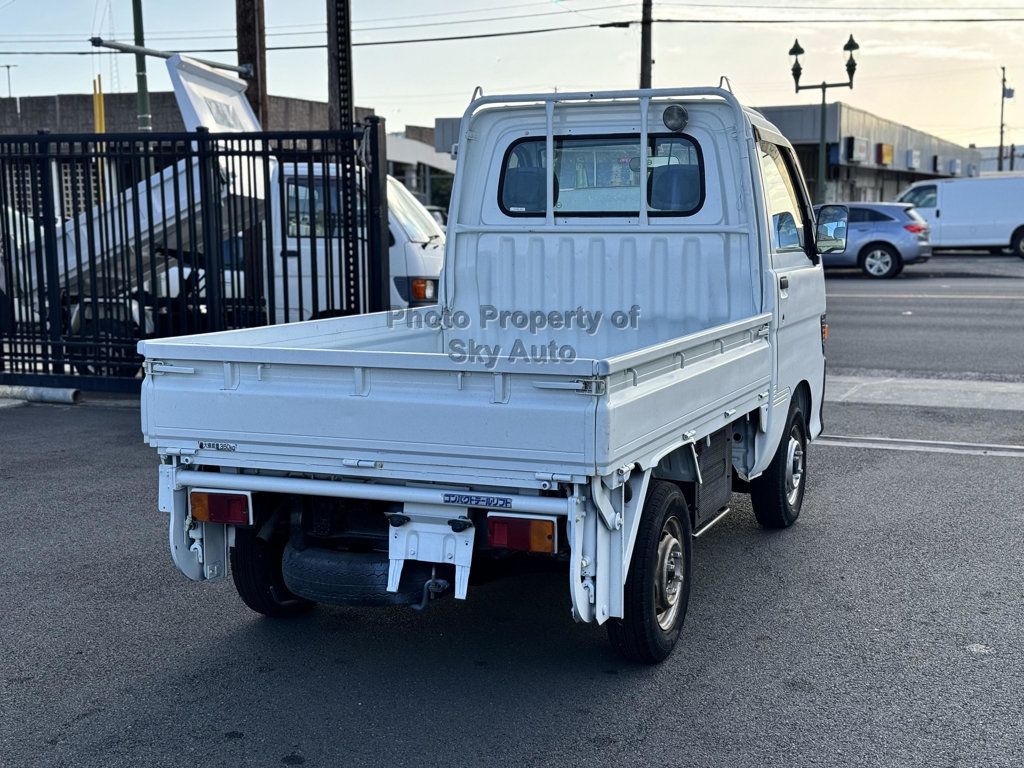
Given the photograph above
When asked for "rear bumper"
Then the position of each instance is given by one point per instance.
(917, 253)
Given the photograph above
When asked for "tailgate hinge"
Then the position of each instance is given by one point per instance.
(552, 477)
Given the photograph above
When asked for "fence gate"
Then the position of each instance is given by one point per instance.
(106, 239)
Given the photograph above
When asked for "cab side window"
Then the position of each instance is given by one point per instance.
(783, 201)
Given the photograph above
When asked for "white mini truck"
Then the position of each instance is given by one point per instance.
(630, 328)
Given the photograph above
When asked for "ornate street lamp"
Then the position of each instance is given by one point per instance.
(851, 66)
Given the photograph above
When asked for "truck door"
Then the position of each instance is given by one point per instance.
(799, 280)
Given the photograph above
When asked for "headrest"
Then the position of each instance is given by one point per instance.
(524, 190)
(674, 188)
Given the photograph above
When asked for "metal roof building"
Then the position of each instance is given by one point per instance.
(869, 158)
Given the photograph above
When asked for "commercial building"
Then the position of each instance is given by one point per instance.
(1013, 159)
(425, 171)
(869, 158)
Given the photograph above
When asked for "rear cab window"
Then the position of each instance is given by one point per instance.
(601, 176)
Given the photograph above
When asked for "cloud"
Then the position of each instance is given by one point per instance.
(926, 51)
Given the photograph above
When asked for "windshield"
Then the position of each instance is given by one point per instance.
(417, 223)
(920, 197)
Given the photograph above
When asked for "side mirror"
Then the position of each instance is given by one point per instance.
(830, 229)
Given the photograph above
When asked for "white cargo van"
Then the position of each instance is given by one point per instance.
(982, 212)
(631, 326)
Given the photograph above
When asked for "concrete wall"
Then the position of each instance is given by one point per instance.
(72, 113)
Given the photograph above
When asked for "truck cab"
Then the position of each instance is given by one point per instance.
(630, 329)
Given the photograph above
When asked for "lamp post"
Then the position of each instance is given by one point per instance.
(851, 66)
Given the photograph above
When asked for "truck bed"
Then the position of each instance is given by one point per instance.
(352, 396)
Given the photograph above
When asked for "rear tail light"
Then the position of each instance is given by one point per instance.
(916, 229)
(215, 507)
(824, 331)
(525, 534)
(424, 289)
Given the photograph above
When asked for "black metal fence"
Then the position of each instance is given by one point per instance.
(106, 239)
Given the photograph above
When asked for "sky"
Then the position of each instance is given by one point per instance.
(939, 78)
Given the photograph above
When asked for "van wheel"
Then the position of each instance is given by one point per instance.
(658, 583)
(256, 571)
(881, 261)
(778, 494)
(1017, 244)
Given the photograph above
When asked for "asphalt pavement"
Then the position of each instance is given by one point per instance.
(956, 316)
(885, 628)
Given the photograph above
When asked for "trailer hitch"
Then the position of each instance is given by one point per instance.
(432, 587)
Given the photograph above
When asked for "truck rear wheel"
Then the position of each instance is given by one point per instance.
(778, 494)
(256, 571)
(658, 583)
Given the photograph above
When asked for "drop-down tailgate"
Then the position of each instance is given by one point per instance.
(386, 414)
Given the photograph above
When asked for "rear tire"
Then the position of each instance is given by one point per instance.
(778, 494)
(256, 571)
(658, 583)
(880, 261)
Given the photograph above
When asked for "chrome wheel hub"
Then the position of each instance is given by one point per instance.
(668, 580)
(878, 262)
(794, 466)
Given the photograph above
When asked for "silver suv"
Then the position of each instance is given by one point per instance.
(882, 238)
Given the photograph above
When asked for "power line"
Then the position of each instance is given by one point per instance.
(893, 8)
(544, 30)
(977, 20)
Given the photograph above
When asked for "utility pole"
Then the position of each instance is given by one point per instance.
(1002, 123)
(142, 88)
(1013, 154)
(341, 112)
(251, 34)
(645, 45)
(8, 67)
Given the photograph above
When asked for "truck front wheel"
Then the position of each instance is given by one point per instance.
(658, 583)
(778, 494)
(256, 571)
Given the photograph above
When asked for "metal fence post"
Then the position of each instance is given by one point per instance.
(44, 173)
(209, 202)
(378, 267)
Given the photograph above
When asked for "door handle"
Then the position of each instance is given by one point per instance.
(784, 282)
(938, 213)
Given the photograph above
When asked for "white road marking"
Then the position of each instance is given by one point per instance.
(924, 446)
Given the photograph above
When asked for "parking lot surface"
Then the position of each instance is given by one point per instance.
(883, 629)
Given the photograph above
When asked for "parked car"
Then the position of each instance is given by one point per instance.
(983, 212)
(882, 238)
(603, 369)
